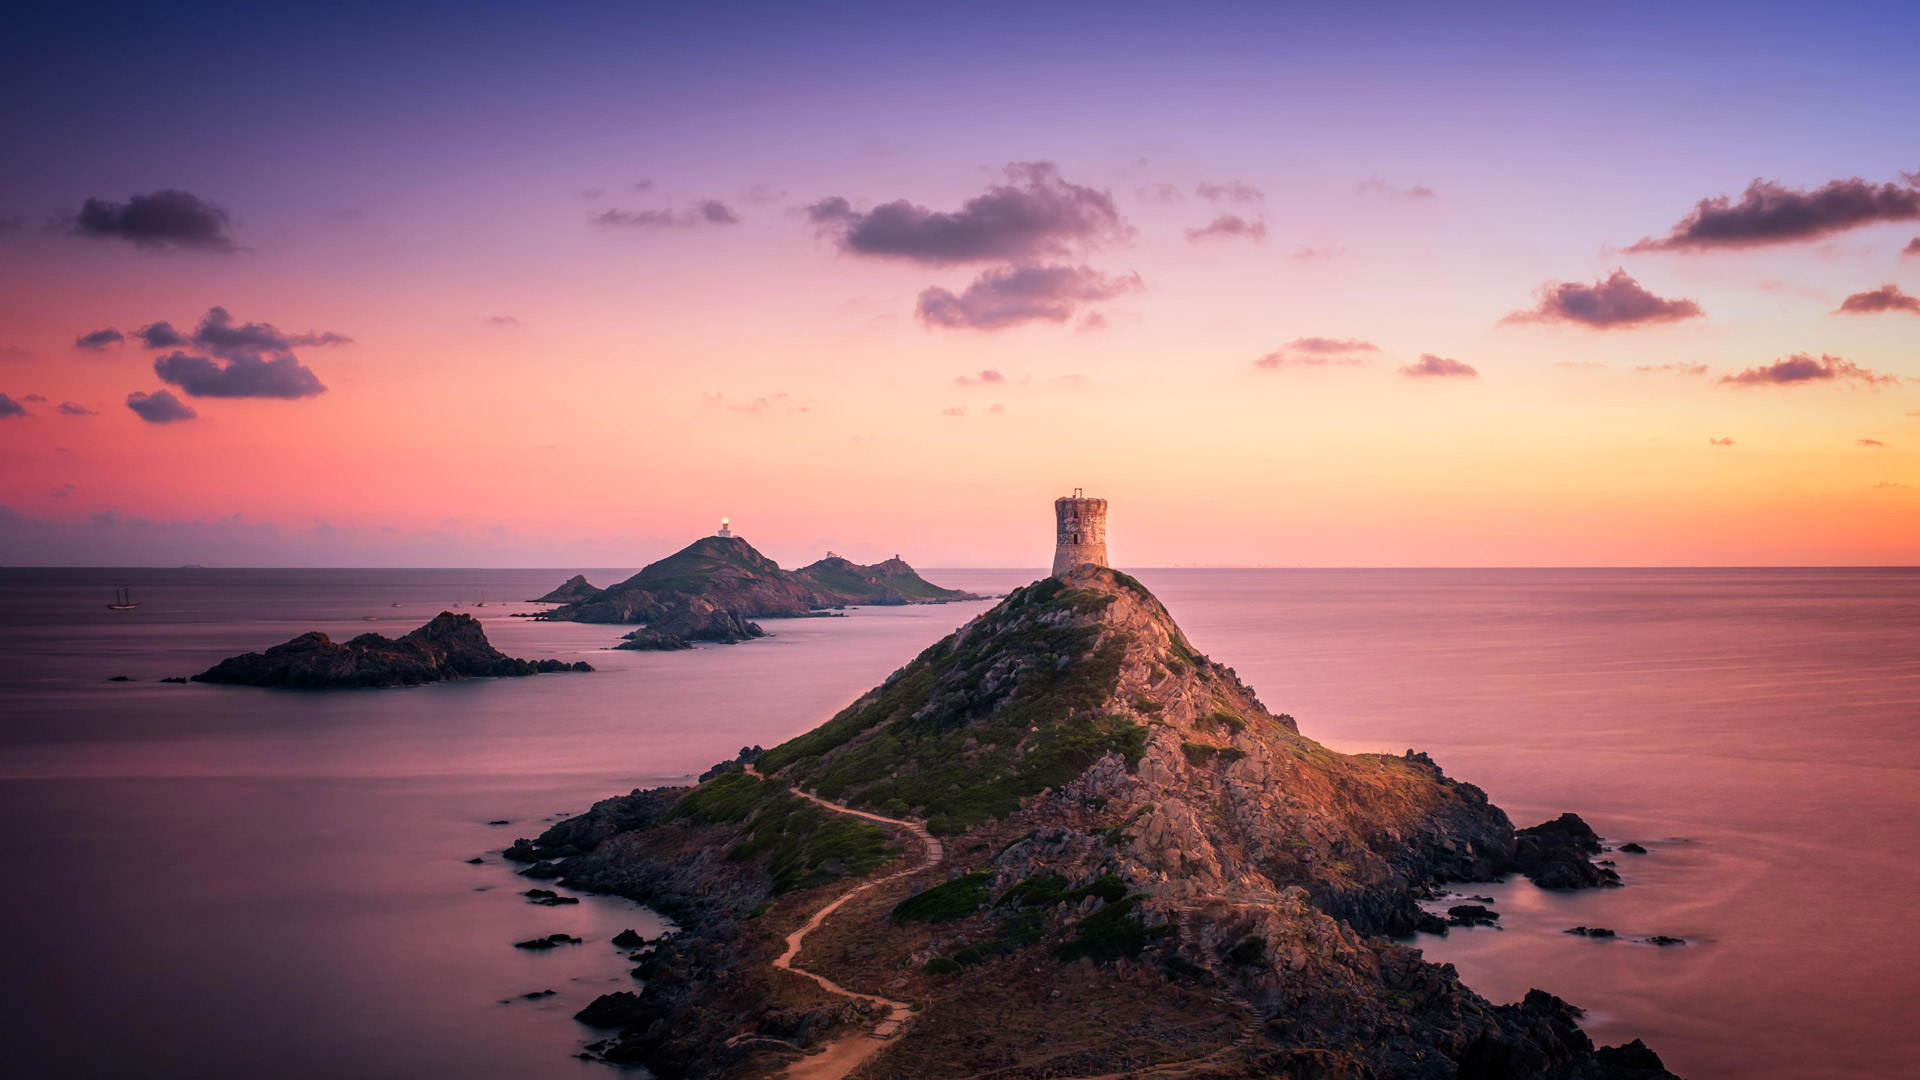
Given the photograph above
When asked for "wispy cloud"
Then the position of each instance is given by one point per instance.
(1231, 192)
(1377, 186)
(703, 213)
(1318, 352)
(1870, 442)
(1009, 295)
(98, 340)
(74, 408)
(985, 378)
(1770, 212)
(1229, 227)
(1721, 442)
(1035, 213)
(1615, 303)
(10, 407)
(1802, 368)
(1677, 369)
(1884, 298)
(1430, 365)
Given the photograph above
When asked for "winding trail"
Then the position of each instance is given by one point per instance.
(840, 1057)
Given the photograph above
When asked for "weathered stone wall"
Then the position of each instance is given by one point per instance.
(1081, 536)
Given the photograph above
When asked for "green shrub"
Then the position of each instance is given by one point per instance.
(940, 965)
(1110, 933)
(968, 957)
(1250, 952)
(945, 902)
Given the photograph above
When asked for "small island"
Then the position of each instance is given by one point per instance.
(1063, 842)
(447, 648)
(711, 589)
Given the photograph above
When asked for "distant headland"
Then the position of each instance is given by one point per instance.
(712, 588)
(446, 648)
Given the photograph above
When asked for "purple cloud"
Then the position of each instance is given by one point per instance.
(242, 377)
(1233, 192)
(1227, 227)
(161, 220)
(1772, 213)
(1802, 368)
(74, 408)
(1036, 213)
(1008, 295)
(218, 334)
(1616, 303)
(1912, 248)
(1317, 352)
(706, 212)
(10, 407)
(1439, 366)
(1161, 193)
(99, 339)
(160, 335)
(985, 377)
(159, 407)
(1884, 298)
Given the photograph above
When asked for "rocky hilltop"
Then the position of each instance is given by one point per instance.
(449, 647)
(574, 590)
(710, 589)
(1144, 867)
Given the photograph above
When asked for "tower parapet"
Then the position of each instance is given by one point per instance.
(1081, 533)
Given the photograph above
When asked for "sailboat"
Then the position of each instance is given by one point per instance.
(122, 600)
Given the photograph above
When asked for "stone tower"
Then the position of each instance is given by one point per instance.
(1082, 532)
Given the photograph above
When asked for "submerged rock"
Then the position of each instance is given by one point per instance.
(1632, 848)
(1591, 931)
(449, 647)
(618, 1009)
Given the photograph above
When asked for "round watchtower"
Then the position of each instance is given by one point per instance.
(1081, 536)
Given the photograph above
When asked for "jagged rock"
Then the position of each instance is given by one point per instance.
(1558, 854)
(1591, 931)
(687, 619)
(1471, 915)
(548, 942)
(574, 591)
(618, 1009)
(448, 647)
(628, 939)
(1632, 848)
(1663, 940)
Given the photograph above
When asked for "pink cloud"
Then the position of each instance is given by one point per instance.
(1616, 303)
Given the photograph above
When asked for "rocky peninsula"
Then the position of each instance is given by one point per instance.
(449, 647)
(712, 588)
(1144, 868)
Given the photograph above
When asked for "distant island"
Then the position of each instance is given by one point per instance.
(712, 588)
(1063, 842)
(449, 647)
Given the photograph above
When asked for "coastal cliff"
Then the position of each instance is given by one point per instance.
(1145, 866)
(708, 590)
(448, 647)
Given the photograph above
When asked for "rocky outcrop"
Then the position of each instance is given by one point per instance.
(449, 647)
(1144, 862)
(1558, 854)
(574, 591)
(726, 573)
(686, 619)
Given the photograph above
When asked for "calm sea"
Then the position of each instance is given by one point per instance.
(219, 881)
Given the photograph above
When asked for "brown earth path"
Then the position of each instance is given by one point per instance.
(840, 1057)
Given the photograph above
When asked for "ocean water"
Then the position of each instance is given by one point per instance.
(224, 881)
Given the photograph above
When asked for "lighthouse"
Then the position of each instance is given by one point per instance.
(1080, 532)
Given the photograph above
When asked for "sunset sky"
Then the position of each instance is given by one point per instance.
(1325, 285)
